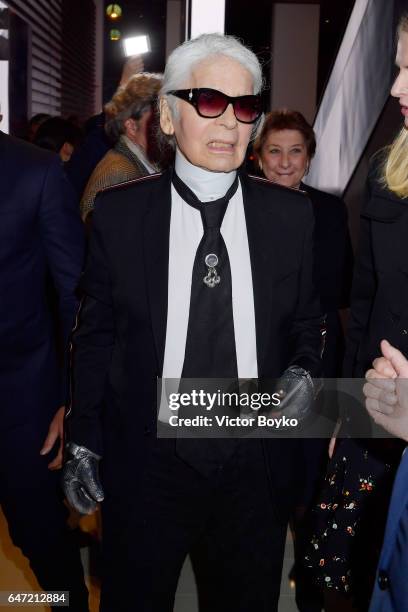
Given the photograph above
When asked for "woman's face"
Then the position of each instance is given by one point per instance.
(400, 86)
(283, 157)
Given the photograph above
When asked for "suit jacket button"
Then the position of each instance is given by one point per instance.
(383, 580)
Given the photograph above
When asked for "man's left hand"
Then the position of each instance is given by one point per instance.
(297, 394)
(55, 432)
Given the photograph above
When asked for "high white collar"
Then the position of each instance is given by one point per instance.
(206, 185)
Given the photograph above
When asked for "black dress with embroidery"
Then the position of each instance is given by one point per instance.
(349, 517)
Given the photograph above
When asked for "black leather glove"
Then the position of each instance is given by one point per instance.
(80, 479)
(297, 393)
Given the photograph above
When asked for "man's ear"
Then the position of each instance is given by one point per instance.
(131, 126)
(166, 120)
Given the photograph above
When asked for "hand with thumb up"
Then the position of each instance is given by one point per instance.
(386, 391)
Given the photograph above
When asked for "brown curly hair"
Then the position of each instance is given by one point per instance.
(131, 101)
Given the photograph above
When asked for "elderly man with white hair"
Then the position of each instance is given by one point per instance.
(204, 273)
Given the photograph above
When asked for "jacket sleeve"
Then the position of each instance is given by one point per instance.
(362, 295)
(91, 347)
(62, 236)
(307, 332)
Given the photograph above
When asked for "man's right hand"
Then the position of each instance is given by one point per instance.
(80, 479)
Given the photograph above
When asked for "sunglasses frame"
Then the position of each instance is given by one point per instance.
(191, 96)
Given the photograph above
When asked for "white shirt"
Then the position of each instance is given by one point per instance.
(186, 231)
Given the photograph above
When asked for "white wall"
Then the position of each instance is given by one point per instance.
(4, 102)
(207, 16)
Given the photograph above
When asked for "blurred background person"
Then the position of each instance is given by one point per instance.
(34, 123)
(40, 231)
(131, 124)
(283, 151)
(96, 143)
(364, 469)
(58, 135)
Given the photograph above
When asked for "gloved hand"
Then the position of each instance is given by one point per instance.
(297, 393)
(80, 479)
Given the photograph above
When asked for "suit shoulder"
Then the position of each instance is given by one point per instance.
(126, 198)
(290, 202)
(276, 188)
(126, 189)
(132, 184)
(113, 160)
(325, 198)
(26, 155)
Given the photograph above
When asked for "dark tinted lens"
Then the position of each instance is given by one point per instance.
(248, 108)
(211, 103)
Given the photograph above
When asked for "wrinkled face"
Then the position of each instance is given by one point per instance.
(400, 86)
(283, 157)
(217, 144)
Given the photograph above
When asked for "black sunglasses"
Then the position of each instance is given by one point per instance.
(211, 103)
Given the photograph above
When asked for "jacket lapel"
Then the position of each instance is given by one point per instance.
(156, 232)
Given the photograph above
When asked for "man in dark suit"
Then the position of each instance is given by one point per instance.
(40, 233)
(196, 273)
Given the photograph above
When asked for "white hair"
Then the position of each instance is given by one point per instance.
(181, 62)
(184, 58)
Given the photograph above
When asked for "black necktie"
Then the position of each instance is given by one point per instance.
(210, 345)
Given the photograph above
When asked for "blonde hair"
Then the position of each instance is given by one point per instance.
(395, 167)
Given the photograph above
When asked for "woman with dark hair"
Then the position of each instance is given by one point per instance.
(58, 135)
(131, 124)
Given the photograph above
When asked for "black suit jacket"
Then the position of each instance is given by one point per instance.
(333, 250)
(118, 347)
(333, 270)
(40, 232)
(379, 298)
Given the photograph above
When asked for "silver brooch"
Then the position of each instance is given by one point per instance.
(212, 277)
